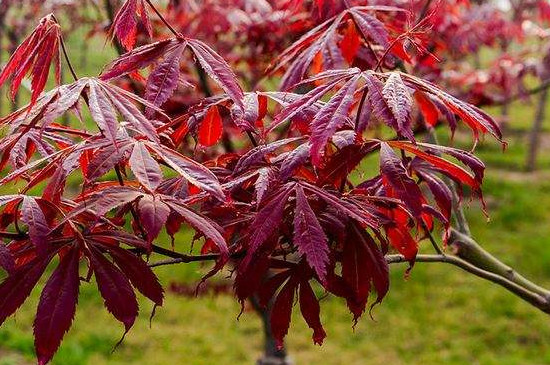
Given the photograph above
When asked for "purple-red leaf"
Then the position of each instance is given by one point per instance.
(34, 218)
(163, 80)
(203, 225)
(102, 111)
(15, 289)
(282, 311)
(266, 222)
(331, 117)
(309, 306)
(309, 237)
(399, 101)
(140, 275)
(216, 67)
(211, 127)
(396, 177)
(7, 261)
(115, 289)
(126, 21)
(153, 213)
(363, 263)
(385, 102)
(369, 26)
(138, 58)
(57, 307)
(145, 167)
(192, 171)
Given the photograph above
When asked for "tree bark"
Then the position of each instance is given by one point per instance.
(534, 136)
(271, 356)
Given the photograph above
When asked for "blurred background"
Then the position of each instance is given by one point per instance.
(494, 54)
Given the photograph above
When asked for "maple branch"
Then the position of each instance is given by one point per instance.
(179, 258)
(65, 53)
(469, 250)
(185, 260)
(539, 301)
(161, 17)
(66, 56)
(537, 89)
(513, 282)
(14, 236)
(431, 238)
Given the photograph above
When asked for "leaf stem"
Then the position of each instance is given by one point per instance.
(431, 238)
(64, 50)
(161, 17)
(66, 55)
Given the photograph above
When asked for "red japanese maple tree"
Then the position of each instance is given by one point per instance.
(283, 209)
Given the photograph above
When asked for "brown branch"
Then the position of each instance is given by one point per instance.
(179, 258)
(540, 298)
(537, 300)
(13, 236)
(161, 17)
(537, 89)
(469, 250)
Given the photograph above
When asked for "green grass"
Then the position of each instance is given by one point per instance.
(439, 315)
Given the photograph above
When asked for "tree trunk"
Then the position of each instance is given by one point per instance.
(534, 137)
(272, 356)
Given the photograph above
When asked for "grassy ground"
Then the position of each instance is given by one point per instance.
(439, 315)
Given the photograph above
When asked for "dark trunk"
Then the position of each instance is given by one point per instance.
(534, 136)
(272, 356)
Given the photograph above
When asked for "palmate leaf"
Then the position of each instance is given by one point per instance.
(105, 102)
(287, 213)
(114, 286)
(388, 98)
(330, 118)
(59, 297)
(126, 21)
(110, 198)
(35, 56)
(363, 263)
(144, 167)
(475, 118)
(57, 307)
(321, 40)
(161, 81)
(294, 280)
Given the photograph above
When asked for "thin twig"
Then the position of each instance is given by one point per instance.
(431, 238)
(14, 235)
(66, 55)
(161, 17)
